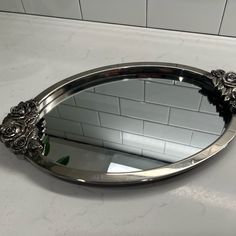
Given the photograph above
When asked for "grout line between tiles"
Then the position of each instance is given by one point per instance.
(58, 112)
(99, 118)
(222, 18)
(119, 106)
(164, 150)
(23, 5)
(146, 16)
(82, 128)
(144, 91)
(200, 103)
(191, 139)
(168, 118)
(122, 137)
(129, 132)
(152, 103)
(80, 7)
(74, 100)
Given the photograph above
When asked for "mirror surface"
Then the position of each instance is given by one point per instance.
(131, 125)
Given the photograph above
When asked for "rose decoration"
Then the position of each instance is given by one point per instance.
(226, 84)
(23, 109)
(19, 145)
(230, 79)
(11, 129)
(20, 130)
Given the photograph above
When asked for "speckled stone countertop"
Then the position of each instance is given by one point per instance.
(36, 52)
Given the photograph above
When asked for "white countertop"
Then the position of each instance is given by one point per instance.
(36, 52)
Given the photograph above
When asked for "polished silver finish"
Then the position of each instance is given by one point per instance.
(21, 132)
(222, 93)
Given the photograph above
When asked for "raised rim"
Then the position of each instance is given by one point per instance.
(67, 87)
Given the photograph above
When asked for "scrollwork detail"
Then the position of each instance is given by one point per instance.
(21, 132)
(226, 84)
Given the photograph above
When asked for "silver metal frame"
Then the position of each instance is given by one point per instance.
(222, 84)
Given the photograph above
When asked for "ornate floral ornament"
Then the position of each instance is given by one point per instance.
(21, 132)
(226, 84)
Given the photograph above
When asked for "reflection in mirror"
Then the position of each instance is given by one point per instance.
(131, 125)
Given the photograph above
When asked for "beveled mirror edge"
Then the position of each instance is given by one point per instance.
(55, 94)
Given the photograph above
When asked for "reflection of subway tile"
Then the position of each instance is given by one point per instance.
(55, 132)
(179, 135)
(102, 133)
(202, 140)
(70, 101)
(53, 112)
(98, 102)
(143, 142)
(63, 125)
(196, 120)
(122, 148)
(185, 84)
(84, 139)
(78, 114)
(121, 123)
(206, 106)
(144, 111)
(90, 89)
(132, 89)
(180, 150)
(172, 95)
(160, 156)
(162, 81)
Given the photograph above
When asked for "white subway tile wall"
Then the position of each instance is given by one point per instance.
(11, 5)
(166, 132)
(59, 8)
(131, 12)
(204, 16)
(228, 24)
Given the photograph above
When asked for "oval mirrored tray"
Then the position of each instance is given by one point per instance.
(125, 124)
